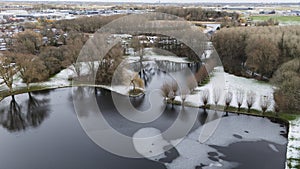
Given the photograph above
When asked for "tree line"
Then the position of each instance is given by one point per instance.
(34, 61)
(266, 53)
(197, 14)
(85, 24)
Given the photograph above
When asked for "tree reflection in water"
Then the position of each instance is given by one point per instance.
(17, 117)
(37, 111)
(15, 121)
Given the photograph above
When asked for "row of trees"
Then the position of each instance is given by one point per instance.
(197, 14)
(85, 24)
(171, 89)
(240, 95)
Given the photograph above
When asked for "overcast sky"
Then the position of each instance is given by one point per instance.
(189, 1)
(215, 1)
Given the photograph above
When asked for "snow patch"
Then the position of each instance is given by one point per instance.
(294, 143)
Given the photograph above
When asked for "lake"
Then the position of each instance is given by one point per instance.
(43, 131)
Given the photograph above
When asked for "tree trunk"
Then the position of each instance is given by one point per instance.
(27, 85)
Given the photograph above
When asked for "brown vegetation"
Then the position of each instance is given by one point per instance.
(287, 79)
(262, 49)
(197, 14)
(108, 66)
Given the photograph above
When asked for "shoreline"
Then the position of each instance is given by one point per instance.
(290, 124)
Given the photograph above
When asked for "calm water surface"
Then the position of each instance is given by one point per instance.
(42, 132)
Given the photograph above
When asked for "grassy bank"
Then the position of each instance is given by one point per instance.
(281, 19)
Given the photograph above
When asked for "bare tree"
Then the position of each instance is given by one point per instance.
(251, 96)
(138, 47)
(172, 96)
(216, 95)
(184, 93)
(201, 74)
(240, 98)
(165, 88)
(7, 71)
(31, 68)
(75, 42)
(277, 109)
(191, 83)
(108, 66)
(265, 102)
(174, 87)
(136, 82)
(228, 99)
(205, 98)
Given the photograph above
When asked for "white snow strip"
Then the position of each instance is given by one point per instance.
(293, 144)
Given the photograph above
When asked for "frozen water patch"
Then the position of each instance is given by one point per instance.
(192, 153)
(257, 129)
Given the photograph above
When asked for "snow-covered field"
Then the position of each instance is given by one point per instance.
(232, 84)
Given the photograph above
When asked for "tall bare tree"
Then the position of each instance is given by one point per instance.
(240, 98)
(108, 66)
(135, 81)
(184, 93)
(216, 95)
(75, 42)
(165, 88)
(8, 69)
(251, 97)
(265, 102)
(205, 98)
(137, 46)
(228, 99)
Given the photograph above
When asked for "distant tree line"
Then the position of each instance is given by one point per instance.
(197, 14)
(85, 24)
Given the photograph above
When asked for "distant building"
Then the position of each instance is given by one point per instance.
(237, 8)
